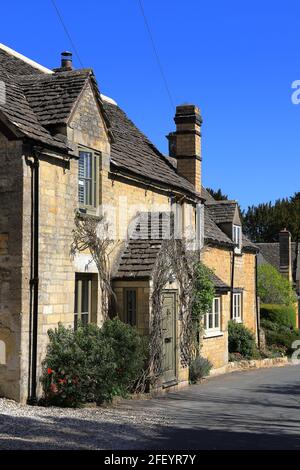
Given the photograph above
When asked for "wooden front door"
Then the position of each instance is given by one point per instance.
(169, 336)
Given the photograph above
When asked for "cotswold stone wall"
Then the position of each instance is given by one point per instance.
(11, 188)
(245, 278)
(220, 261)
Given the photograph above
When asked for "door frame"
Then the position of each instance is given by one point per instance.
(175, 350)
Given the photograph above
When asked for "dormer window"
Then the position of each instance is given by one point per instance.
(237, 237)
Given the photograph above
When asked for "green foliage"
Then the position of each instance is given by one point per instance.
(273, 288)
(284, 315)
(217, 194)
(91, 364)
(241, 340)
(199, 368)
(281, 338)
(263, 223)
(204, 290)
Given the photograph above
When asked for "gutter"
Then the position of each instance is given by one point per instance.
(232, 284)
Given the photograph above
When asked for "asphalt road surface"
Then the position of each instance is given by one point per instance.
(242, 410)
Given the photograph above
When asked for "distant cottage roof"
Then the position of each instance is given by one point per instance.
(222, 212)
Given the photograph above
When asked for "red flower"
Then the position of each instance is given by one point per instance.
(62, 381)
(49, 371)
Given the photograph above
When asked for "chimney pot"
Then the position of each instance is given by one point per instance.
(66, 60)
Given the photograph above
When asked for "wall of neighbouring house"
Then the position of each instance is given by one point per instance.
(220, 261)
(11, 188)
(245, 278)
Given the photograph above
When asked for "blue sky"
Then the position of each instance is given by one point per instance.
(235, 59)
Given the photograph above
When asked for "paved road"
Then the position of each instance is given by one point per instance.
(242, 410)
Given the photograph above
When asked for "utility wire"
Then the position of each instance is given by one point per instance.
(156, 55)
(67, 32)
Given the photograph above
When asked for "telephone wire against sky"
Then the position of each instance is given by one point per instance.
(156, 55)
(67, 32)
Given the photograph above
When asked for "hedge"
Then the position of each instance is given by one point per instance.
(279, 314)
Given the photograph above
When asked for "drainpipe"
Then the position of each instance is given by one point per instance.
(34, 281)
(232, 284)
(256, 301)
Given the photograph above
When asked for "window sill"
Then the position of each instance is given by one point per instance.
(237, 320)
(212, 334)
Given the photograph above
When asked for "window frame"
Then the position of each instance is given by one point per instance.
(239, 318)
(237, 239)
(206, 320)
(130, 321)
(79, 279)
(95, 167)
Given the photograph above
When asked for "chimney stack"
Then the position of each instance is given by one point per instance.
(185, 143)
(66, 60)
(285, 253)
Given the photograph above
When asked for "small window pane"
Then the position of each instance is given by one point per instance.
(87, 178)
(131, 306)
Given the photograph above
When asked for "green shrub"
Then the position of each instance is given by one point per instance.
(273, 288)
(199, 368)
(279, 314)
(281, 338)
(241, 340)
(91, 364)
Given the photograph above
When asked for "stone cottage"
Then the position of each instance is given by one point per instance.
(66, 150)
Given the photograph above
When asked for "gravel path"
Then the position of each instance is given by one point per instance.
(26, 427)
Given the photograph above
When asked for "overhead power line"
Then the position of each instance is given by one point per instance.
(67, 32)
(164, 78)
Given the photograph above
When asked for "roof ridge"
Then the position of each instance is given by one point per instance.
(25, 59)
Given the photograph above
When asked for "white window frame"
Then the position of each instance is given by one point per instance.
(214, 314)
(237, 307)
(237, 237)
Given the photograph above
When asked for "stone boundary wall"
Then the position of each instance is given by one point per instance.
(251, 364)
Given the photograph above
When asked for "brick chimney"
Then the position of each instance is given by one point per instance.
(185, 143)
(285, 253)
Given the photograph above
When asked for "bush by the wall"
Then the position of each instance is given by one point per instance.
(273, 288)
(199, 368)
(279, 314)
(280, 336)
(241, 340)
(91, 363)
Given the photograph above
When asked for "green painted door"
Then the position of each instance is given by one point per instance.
(169, 336)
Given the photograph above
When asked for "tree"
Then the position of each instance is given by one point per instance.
(262, 223)
(217, 195)
(273, 288)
